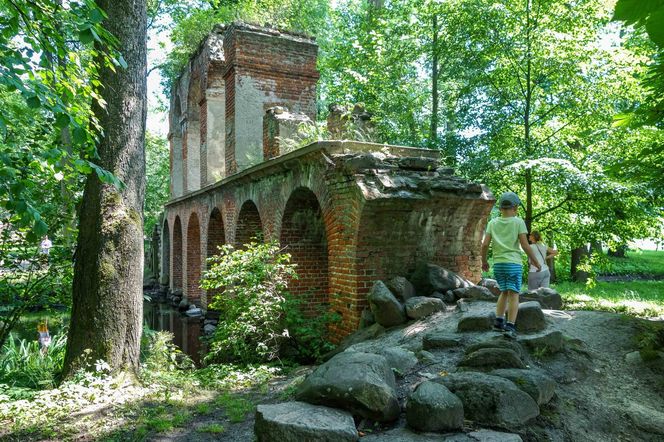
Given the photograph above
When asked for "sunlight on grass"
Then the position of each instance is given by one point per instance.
(638, 298)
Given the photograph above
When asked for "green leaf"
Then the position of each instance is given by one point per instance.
(633, 11)
(62, 120)
(86, 36)
(40, 229)
(96, 16)
(3, 127)
(655, 27)
(33, 102)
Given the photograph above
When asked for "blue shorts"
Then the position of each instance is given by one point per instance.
(508, 275)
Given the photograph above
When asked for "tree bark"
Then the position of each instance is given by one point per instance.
(434, 83)
(577, 256)
(108, 269)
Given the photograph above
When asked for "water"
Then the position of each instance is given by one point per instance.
(186, 331)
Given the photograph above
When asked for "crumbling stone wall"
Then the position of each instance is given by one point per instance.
(348, 212)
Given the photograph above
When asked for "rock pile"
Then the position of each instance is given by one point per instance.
(446, 372)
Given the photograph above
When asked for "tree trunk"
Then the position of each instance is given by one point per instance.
(108, 270)
(619, 252)
(577, 256)
(434, 83)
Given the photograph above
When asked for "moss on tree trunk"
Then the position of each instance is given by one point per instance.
(107, 310)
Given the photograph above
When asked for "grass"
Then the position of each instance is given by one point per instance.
(636, 262)
(637, 298)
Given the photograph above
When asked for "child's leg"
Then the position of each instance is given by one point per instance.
(512, 305)
(501, 305)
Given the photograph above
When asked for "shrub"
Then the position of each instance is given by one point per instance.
(23, 365)
(258, 316)
(254, 281)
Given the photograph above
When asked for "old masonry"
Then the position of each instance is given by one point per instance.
(349, 212)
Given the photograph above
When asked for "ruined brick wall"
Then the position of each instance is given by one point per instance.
(343, 227)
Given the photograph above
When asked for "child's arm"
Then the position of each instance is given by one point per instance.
(523, 240)
(550, 253)
(485, 251)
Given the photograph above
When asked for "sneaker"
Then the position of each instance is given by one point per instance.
(510, 330)
(499, 324)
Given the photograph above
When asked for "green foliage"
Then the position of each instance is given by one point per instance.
(212, 428)
(236, 377)
(24, 366)
(235, 406)
(192, 21)
(157, 168)
(637, 262)
(308, 333)
(637, 298)
(254, 281)
(29, 279)
(50, 54)
(649, 339)
(259, 319)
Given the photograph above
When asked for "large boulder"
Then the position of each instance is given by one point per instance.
(372, 332)
(491, 358)
(540, 386)
(387, 310)
(421, 306)
(499, 341)
(440, 339)
(362, 383)
(401, 287)
(298, 421)
(491, 284)
(403, 434)
(431, 278)
(530, 317)
(491, 400)
(544, 344)
(474, 292)
(474, 322)
(432, 407)
(399, 359)
(547, 297)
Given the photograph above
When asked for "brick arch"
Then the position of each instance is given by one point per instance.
(194, 258)
(216, 233)
(303, 232)
(176, 256)
(248, 224)
(164, 265)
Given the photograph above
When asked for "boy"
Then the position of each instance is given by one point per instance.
(508, 233)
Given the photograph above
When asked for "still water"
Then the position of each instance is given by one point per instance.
(157, 316)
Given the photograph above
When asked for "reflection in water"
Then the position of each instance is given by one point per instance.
(186, 331)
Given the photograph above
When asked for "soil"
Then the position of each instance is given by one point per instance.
(603, 394)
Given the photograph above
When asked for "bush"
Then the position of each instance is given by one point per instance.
(23, 365)
(254, 282)
(258, 316)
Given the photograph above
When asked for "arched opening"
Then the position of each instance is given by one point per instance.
(165, 255)
(193, 136)
(248, 224)
(177, 254)
(175, 137)
(303, 235)
(194, 258)
(216, 235)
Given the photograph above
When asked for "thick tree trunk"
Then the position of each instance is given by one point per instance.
(434, 83)
(577, 256)
(108, 270)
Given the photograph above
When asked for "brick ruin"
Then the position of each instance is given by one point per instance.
(349, 212)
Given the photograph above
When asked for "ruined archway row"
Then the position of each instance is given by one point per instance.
(298, 224)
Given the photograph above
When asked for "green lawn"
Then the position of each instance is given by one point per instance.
(637, 262)
(639, 298)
